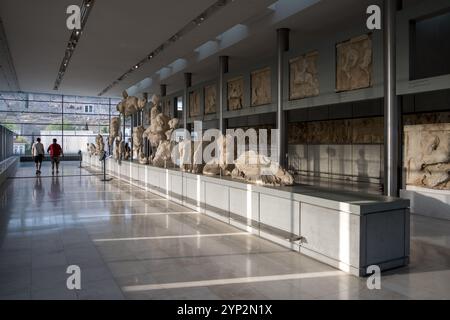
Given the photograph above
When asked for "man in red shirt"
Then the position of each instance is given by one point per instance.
(55, 151)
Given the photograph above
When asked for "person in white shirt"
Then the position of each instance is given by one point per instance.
(37, 150)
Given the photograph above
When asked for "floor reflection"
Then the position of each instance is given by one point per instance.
(133, 244)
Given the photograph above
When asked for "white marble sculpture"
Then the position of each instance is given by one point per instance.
(173, 125)
(159, 124)
(114, 129)
(130, 104)
(192, 162)
(119, 147)
(218, 165)
(138, 144)
(163, 155)
(427, 155)
(99, 145)
(91, 149)
(255, 168)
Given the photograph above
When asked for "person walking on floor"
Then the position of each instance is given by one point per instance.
(56, 152)
(37, 151)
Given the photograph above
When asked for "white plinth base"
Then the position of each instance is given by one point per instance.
(428, 202)
(347, 230)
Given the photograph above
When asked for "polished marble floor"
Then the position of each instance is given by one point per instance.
(132, 244)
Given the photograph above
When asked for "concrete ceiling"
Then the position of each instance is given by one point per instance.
(117, 35)
(120, 33)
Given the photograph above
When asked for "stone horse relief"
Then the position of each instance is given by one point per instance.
(261, 89)
(354, 64)
(256, 168)
(194, 103)
(210, 99)
(427, 155)
(235, 94)
(303, 79)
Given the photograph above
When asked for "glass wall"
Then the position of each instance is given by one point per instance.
(73, 120)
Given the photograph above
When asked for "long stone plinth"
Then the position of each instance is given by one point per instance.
(347, 230)
(7, 168)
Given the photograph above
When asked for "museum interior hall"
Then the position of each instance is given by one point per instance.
(225, 150)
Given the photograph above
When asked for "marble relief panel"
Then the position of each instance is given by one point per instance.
(194, 103)
(368, 130)
(297, 133)
(261, 88)
(303, 76)
(354, 64)
(210, 99)
(235, 93)
(318, 132)
(346, 131)
(427, 155)
(426, 118)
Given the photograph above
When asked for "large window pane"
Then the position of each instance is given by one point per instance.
(86, 108)
(86, 100)
(44, 106)
(73, 120)
(22, 143)
(83, 119)
(29, 118)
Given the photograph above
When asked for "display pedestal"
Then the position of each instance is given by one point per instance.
(428, 202)
(347, 230)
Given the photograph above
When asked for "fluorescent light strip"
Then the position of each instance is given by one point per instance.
(181, 33)
(187, 236)
(221, 282)
(74, 39)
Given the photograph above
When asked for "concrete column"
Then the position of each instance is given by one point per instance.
(391, 110)
(187, 85)
(123, 127)
(282, 47)
(163, 93)
(131, 136)
(163, 90)
(223, 69)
